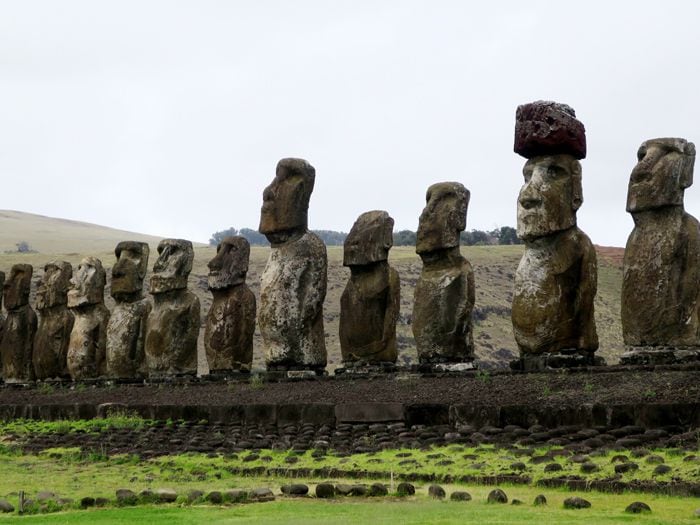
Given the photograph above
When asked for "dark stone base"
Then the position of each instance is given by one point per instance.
(660, 355)
(563, 359)
(364, 369)
(227, 375)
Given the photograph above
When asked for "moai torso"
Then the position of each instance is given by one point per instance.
(173, 324)
(369, 305)
(88, 338)
(444, 294)
(293, 284)
(126, 330)
(230, 324)
(55, 322)
(17, 342)
(556, 280)
(661, 268)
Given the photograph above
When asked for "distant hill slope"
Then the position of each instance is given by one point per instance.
(52, 235)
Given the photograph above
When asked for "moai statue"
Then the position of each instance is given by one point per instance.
(55, 322)
(369, 306)
(88, 339)
(293, 284)
(228, 334)
(556, 280)
(126, 330)
(19, 327)
(444, 294)
(172, 327)
(661, 269)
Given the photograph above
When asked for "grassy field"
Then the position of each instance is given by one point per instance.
(494, 268)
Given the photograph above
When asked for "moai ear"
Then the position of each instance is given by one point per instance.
(687, 165)
(388, 233)
(143, 262)
(576, 187)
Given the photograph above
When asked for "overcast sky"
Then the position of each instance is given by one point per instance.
(169, 117)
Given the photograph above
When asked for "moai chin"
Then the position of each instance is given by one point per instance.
(172, 326)
(556, 280)
(88, 339)
(444, 294)
(230, 324)
(293, 284)
(55, 322)
(369, 306)
(126, 330)
(661, 268)
(17, 342)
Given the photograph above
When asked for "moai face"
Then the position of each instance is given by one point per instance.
(286, 200)
(16, 288)
(53, 288)
(663, 171)
(230, 265)
(87, 283)
(369, 240)
(130, 268)
(552, 193)
(174, 264)
(443, 218)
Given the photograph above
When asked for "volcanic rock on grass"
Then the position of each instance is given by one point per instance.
(87, 501)
(576, 503)
(126, 497)
(166, 495)
(295, 489)
(497, 496)
(6, 506)
(460, 495)
(325, 490)
(436, 492)
(405, 489)
(623, 468)
(660, 470)
(540, 499)
(194, 495)
(553, 467)
(589, 467)
(638, 507)
(45, 495)
(215, 497)
(262, 494)
(236, 495)
(378, 489)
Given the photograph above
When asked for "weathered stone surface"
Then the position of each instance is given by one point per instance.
(172, 326)
(126, 497)
(369, 306)
(576, 502)
(556, 280)
(497, 496)
(165, 495)
(545, 128)
(295, 489)
(50, 357)
(293, 284)
(126, 330)
(405, 489)
(436, 491)
(325, 490)
(6, 506)
(230, 324)
(19, 327)
(540, 500)
(460, 495)
(661, 268)
(637, 507)
(444, 294)
(88, 339)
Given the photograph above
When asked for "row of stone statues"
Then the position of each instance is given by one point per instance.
(554, 289)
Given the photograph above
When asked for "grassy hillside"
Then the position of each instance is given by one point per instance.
(494, 268)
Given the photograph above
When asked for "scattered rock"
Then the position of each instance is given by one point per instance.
(638, 507)
(215, 497)
(622, 468)
(295, 489)
(589, 467)
(147, 496)
(343, 490)
(405, 489)
(497, 496)
(540, 499)
(194, 495)
(87, 501)
(654, 460)
(236, 495)
(378, 489)
(6, 506)
(619, 458)
(662, 469)
(101, 502)
(460, 495)
(436, 492)
(165, 495)
(262, 494)
(516, 502)
(358, 490)
(325, 490)
(576, 503)
(126, 497)
(553, 467)
(518, 466)
(45, 495)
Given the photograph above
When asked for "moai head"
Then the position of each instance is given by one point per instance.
(553, 140)
(130, 268)
(53, 288)
(443, 218)
(230, 265)
(16, 288)
(87, 285)
(369, 240)
(663, 171)
(286, 200)
(174, 264)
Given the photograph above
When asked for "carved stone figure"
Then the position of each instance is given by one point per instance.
(19, 327)
(126, 330)
(228, 334)
(556, 280)
(661, 269)
(293, 284)
(444, 294)
(172, 327)
(88, 339)
(55, 322)
(369, 306)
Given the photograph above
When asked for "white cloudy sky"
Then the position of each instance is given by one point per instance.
(168, 117)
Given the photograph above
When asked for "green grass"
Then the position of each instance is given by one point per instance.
(115, 420)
